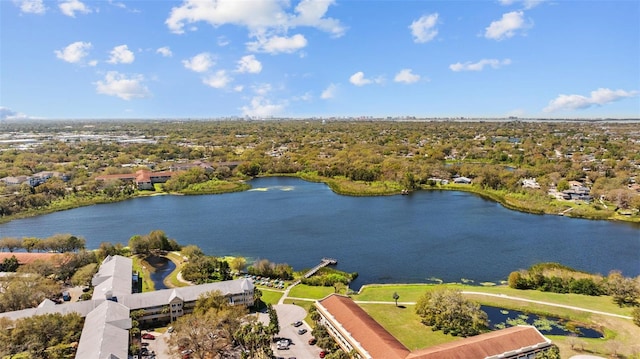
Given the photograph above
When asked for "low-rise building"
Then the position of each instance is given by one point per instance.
(105, 333)
(143, 179)
(355, 331)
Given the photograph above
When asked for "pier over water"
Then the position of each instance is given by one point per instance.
(325, 262)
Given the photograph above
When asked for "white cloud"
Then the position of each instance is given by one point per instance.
(238, 88)
(9, 114)
(406, 76)
(311, 13)
(222, 41)
(164, 51)
(75, 52)
(249, 64)
(121, 55)
(199, 63)
(261, 108)
(528, 4)
(218, 80)
(423, 29)
(31, 6)
(505, 27)
(255, 15)
(599, 97)
(479, 66)
(70, 7)
(262, 89)
(358, 79)
(277, 44)
(119, 85)
(329, 92)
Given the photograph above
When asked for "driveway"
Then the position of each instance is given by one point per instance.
(299, 347)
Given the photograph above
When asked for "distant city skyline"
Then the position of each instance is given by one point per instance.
(73, 59)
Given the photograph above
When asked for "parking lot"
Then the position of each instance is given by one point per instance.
(299, 347)
(288, 314)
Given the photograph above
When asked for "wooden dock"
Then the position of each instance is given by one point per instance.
(325, 262)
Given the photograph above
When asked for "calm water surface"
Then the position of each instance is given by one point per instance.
(394, 239)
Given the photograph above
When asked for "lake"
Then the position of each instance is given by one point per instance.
(391, 239)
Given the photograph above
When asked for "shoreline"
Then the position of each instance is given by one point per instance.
(337, 187)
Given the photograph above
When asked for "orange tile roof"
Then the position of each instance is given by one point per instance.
(370, 335)
(485, 345)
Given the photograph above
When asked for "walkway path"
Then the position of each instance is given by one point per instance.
(511, 298)
(548, 303)
(323, 263)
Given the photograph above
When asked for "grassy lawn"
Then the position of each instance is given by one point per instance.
(411, 293)
(171, 280)
(142, 267)
(404, 324)
(271, 296)
(310, 292)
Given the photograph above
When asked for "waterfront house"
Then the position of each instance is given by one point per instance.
(462, 180)
(143, 179)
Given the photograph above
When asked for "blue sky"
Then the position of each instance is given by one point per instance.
(290, 58)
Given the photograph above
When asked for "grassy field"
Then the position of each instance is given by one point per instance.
(620, 334)
(411, 293)
(171, 281)
(271, 296)
(143, 268)
(310, 292)
(404, 324)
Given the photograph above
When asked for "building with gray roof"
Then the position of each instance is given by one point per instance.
(107, 315)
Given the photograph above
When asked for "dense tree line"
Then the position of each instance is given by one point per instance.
(154, 241)
(265, 268)
(554, 277)
(206, 269)
(57, 243)
(447, 310)
(48, 336)
(497, 155)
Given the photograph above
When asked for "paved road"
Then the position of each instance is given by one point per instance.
(511, 298)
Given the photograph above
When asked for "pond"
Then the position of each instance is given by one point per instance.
(500, 318)
(161, 267)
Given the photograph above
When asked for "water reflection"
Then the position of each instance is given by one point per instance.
(161, 267)
(501, 318)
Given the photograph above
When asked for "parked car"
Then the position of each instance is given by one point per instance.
(302, 331)
(170, 330)
(297, 324)
(148, 336)
(312, 341)
(323, 354)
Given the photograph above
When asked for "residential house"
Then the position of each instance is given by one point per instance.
(462, 180)
(143, 179)
(530, 183)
